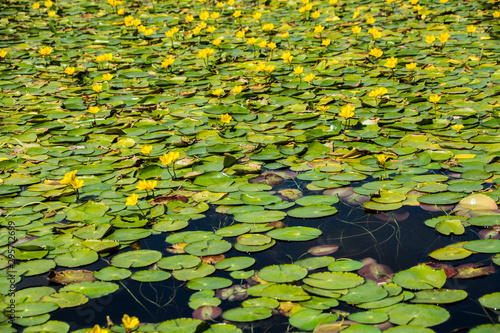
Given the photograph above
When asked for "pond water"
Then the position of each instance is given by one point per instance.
(398, 239)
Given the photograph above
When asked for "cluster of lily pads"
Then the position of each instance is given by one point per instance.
(123, 120)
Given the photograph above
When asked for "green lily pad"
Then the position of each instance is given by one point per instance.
(247, 314)
(138, 258)
(66, 299)
(208, 247)
(92, 289)
(420, 277)
(295, 234)
(208, 283)
(77, 258)
(419, 315)
(483, 246)
(491, 301)
(439, 296)
(282, 273)
(312, 211)
(309, 319)
(150, 276)
(334, 280)
(235, 263)
(260, 217)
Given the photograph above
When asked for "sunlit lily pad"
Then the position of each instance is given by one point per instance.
(483, 245)
(308, 319)
(138, 258)
(334, 280)
(282, 273)
(491, 301)
(312, 211)
(439, 296)
(92, 289)
(418, 314)
(295, 234)
(247, 314)
(420, 277)
(208, 283)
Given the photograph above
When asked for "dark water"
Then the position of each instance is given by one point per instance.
(397, 244)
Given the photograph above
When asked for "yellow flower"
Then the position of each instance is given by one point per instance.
(217, 41)
(131, 200)
(271, 46)
(196, 30)
(251, 41)
(378, 92)
(286, 55)
(318, 29)
(443, 38)
(108, 56)
(309, 77)
(230, 2)
(141, 28)
(205, 53)
(218, 92)
(211, 29)
(68, 70)
(36, 5)
(356, 29)
(237, 89)
(471, 28)
(332, 2)
(268, 27)
(377, 53)
(285, 34)
(308, 7)
(411, 66)
(269, 69)
(121, 11)
(260, 67)
(434, 98)
(315, 15)
(418, 8)
(97, 87)
(149, 31)
(375, 33)
(381, 159)
(355, 15)
(136, 22)
(240, 34)
(107, 76)
(68, 177)
(298, 70)
(391, 62)
(215, 15)
(226, 118)
(167, 159)
(263, 44)
(169, 34)
(48, 3)
(189, 18)
(413, 2)
(370, 20)
(443, 1)
(146, 150)
(202, 25)
(51, 13)
(325, 42)
(146, 185)
(237, 13)
(204, 16)
(457, 127)
(100, 58)
(347, 111)
(219, 4)
(323, 108)
(97, 329)
(167, 62)
(76, 183)
(128, 20)
(496, 14)
(45, 51)
(257, 16)
(94, 109)
(430, 39)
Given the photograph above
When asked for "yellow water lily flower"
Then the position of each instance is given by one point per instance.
(69, 70)
(107, 76)
(430, 39)
(76, 183)
(226, 118)
(68, 177)
(309, 77)
(457, 127)
(377, 53)
(298, 70)
(45, 51)
(237, 13)
(237, 89)
(434, 98)
(146, 150)
(391, 62)
(167, 62)
(347, 111)
(411, 66)
(132, 200)
(204, 15)
(93, 109)
(218, 92)
(167, 159)
(443, 38)
(356, 29)
(97, 87)
(97, 329)
(471, 28)
(381, 159)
